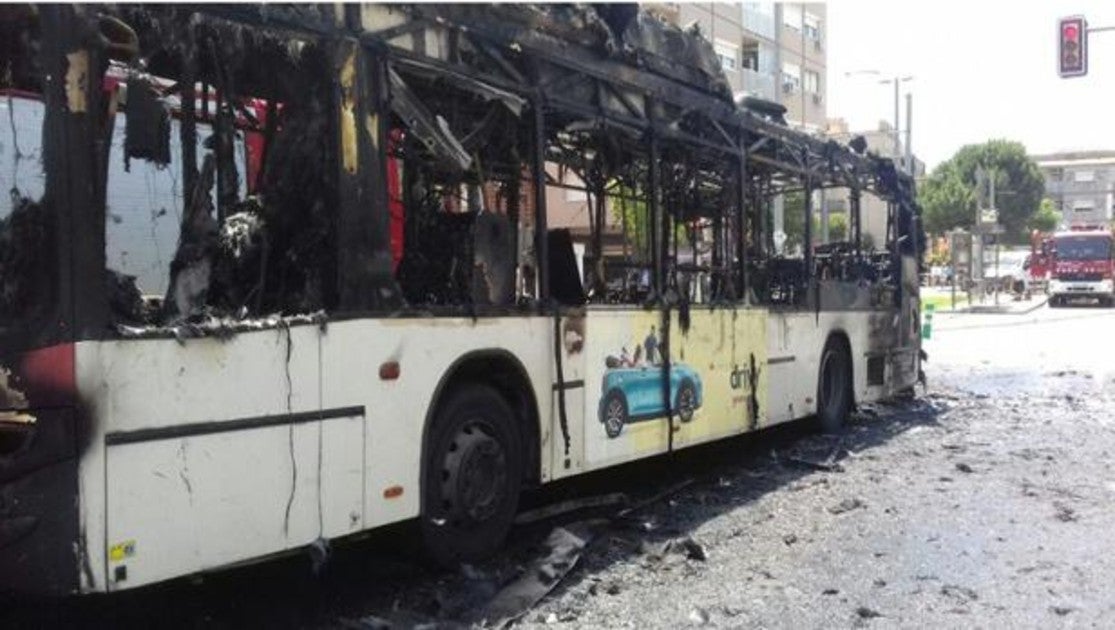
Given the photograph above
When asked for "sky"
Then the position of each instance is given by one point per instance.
(982, 69)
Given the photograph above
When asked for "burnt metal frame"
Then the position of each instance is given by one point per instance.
(766, 151)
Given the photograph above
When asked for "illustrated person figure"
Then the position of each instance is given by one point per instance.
(625, 358)
(650, 345)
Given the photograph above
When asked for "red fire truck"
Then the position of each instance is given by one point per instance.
(1083, 266)
(1039, 264)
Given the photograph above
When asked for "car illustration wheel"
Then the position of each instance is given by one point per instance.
(614, 413)
(687, 400)
(473, 467)
(834, 387)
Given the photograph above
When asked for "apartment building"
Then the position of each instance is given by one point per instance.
(881, 141)
(774, 50)
(1081, 184)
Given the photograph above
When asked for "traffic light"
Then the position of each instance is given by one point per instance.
(1072, 46)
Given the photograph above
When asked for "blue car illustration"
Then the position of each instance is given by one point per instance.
(632, 394)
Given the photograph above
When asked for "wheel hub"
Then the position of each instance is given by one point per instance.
(474, 476)
(614, 415)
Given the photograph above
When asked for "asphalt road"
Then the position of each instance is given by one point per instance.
(986, 502)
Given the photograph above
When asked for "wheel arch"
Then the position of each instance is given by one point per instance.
(504, 372)
(840, 336)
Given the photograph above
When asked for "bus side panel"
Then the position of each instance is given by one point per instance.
(722, 345)
(569, 461)
(212, 453)
(612, 337)
(793, 339)
(185, 505)
(426, 350)
(711, 361)
(796, 341)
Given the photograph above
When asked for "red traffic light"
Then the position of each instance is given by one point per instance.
(1072, 47)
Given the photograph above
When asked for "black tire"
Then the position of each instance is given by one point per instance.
(1054, 301)
(686, 402)
(473, 475)
(834, 387)
(613, 413)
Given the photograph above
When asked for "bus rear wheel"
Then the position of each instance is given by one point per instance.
(834, 387)
(473, 475)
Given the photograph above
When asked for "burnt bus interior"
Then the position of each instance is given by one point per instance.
(180, 169)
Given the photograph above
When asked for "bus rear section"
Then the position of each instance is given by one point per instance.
(1083, 267)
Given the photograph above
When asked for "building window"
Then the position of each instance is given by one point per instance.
(792, 15)
(1084, 176)
(750, 54)
(812, 25)
(758, 57)
(812, 82)
(1083, 205)
(728, 55)
(791, 77)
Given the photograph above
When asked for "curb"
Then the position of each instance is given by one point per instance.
(1027, 311)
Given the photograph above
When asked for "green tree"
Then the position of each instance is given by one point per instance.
(838, 227)
(793, 220)
(1046, 219)
(633, 217)
(1019, 186)
(947, 202)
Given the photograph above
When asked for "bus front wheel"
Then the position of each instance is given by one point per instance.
(834, 387)
(473, 476)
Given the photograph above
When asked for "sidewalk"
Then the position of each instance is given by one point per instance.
(1007, 305)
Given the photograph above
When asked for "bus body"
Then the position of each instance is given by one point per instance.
(343, 306)
(1083, 266)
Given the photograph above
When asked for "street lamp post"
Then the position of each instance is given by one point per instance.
(896, 80)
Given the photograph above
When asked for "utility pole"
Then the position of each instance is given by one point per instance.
(897, 141)
(998, 272)
(897, 154)
(909, 134)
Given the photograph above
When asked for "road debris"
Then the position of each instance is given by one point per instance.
(692, 549)
(655, 498)
(867, 613)
(847, 505)
(961, 593)
(565, 545)
(699, 616)
(1061, 611)
(1065, 514)
(571, 505)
